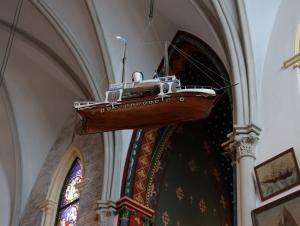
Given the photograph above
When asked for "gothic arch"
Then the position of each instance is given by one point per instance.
(152, 149)
(57, 182)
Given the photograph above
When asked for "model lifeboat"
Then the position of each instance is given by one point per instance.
(145, 103)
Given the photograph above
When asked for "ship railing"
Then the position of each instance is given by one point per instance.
(116, 86)
(168, 78)
(197, 87)
(162, 94)
(81, 104)
(128, 85)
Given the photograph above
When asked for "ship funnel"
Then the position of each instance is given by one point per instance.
(137, 76)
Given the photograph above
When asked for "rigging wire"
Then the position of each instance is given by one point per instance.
(193, 63)
(185, 55)
(10, 41)
(188, 57)
(158, 40)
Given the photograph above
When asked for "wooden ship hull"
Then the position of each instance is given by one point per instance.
(144, 112)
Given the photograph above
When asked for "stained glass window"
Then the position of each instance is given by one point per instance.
(69, 197)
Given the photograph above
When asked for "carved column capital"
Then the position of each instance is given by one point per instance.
(46, 205)
(245, 146)
(242, 141)
(107, 212)
(128, 207)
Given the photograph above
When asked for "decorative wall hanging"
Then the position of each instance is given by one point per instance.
(284, 211)
(277, 174)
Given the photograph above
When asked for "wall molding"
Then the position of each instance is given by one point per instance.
(101, 39)
(71, 42)
(112, 140)
(213, 24)
(292, 61)
(237, 63)
(249, 61)
(40, 46)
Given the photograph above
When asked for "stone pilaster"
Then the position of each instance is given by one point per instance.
(48, 207)
(242, 146)
(107, 212)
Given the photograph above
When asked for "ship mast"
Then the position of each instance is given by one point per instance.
(166, 60)
(124, 57)
(151, 9)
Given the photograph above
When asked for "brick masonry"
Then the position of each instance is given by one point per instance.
(91, 147)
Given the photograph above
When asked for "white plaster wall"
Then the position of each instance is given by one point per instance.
(5, 200)
(233, 14)
(130, 19)
(191, 18)
(261, 17)
(7, 167)
(42, 97)
(37, 25)
(77, 22)
(280, 94)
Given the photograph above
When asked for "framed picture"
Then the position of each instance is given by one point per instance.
(282, 212)
(277, 174)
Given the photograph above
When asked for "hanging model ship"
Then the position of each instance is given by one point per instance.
(145, 103)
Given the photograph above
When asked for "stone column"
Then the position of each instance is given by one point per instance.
(242, 143)
(107, 212)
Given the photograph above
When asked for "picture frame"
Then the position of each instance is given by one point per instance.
(282, 212)
(277, 174)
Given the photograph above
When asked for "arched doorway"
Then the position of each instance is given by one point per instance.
(180, 171)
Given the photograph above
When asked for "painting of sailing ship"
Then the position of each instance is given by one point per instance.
(277, 174)
(282, 212)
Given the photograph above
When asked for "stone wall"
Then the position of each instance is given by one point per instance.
(91, 147)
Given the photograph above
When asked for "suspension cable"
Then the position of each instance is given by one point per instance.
(193, 60)
(193, 63)
(10, 41)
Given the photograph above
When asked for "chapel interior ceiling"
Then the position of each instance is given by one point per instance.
(46, 73)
